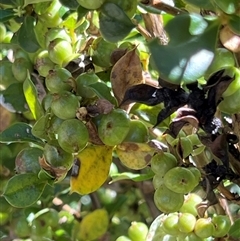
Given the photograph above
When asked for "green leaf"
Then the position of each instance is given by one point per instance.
(13, 98)
(6, 14)
(115, 25)
(23, 190)
(30, 93)
(103, 91)
(205, 4)
(26, 35)
(71, 4)
(235, 230)
(27, 2)
(40, 127)
(9, 2)
(227, 6)
(137, 177)
(234, 24)
(190, 50)
(19, 132)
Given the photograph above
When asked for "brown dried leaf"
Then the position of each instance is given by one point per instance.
(93, 133)
(102, 106)
(126, 73)
(57, 172)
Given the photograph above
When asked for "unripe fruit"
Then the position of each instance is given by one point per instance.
(58, 80)
(20, 68)
(170, 224)
(157, 181)
(180, 180)
(138, 132)
(189, 205)
(59, 51)
(72, 135)
(65, 105)
(196, 173)
(7, 77)
(123, 238)
(47, 101)
(138, 231)
(162, 162)
(167, 201)
(27, 160)
(204, 228)
(43, 64)
(57, 33)
(186, 222)
(114, 127)
(222, 225)
(57, 157)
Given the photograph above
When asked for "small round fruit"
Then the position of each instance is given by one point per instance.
(190, 202)
(168, 201)
(22, 228)
(204, 228)
(157, 181)
(138, 132)
(186, 222)
(170, 224)
(43, 64)
(197, 174)
(180, 180)
(72, 135)
(222, 225)
(56, 33)
(27, 160)
(20, 68)
(138, 231)
(7, 77)
(91, 4)
(59, 50)
(65, 105)
(58, 80)
(82, 81)
(123, 238)
(192, 237)
(162, 162)
(114, 127)
(57, 157)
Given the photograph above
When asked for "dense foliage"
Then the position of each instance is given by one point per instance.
(120, 120)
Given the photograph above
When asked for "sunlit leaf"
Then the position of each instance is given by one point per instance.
(23, 190)
(91, 168)
(190, 50)
(31, 96)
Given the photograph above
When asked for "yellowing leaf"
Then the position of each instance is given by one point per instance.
(135, 155)
(93, 226)
(126, 73)
(91, 168)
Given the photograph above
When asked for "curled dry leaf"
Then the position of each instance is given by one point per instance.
(93, 133)
(57, 172)
(102, 106)
(126, 73)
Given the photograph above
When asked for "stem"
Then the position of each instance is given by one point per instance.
(162, 6)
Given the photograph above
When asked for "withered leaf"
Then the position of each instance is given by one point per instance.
(102, 106)
(142, 93)
(126, 73)
(93, 133)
